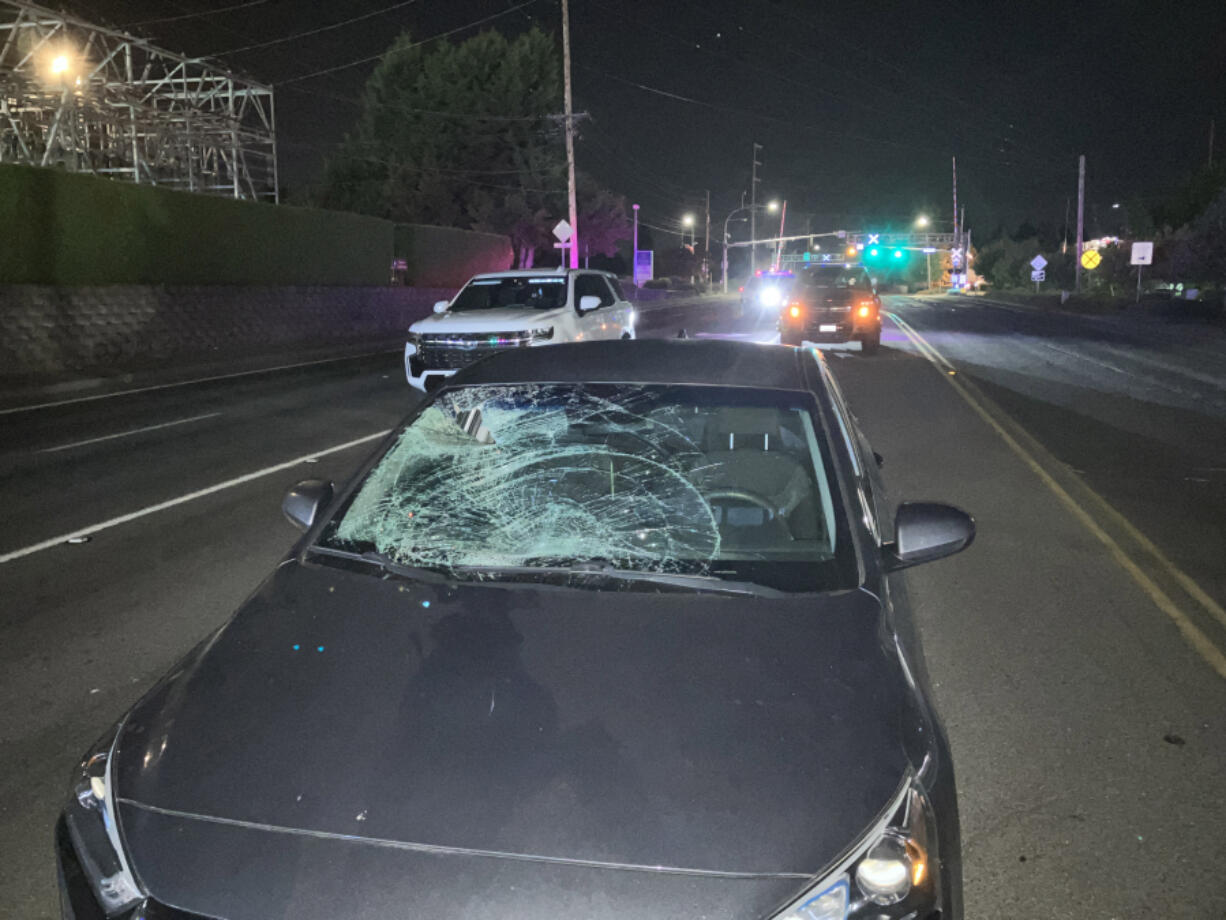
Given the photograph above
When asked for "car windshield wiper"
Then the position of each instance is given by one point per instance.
(386, 564)
(605, 569)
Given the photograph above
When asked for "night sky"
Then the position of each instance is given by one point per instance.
(859, 107)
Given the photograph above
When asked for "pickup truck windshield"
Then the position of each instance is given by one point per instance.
(728, 483)
(543, 293)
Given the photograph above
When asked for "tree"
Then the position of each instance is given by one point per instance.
(1198, 252)
(468, 136)
(460, 135)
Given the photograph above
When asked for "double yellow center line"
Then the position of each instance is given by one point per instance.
(1026, 448)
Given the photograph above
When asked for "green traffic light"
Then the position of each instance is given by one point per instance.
(874, 253)
(898, 253)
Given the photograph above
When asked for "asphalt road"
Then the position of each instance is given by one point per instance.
(1072, 648)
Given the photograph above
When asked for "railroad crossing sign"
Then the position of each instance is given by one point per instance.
(1038, 263)
(1091, 259)
(1142, 253)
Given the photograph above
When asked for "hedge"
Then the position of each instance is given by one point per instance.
(71, 229)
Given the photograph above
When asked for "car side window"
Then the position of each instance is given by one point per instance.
(592, 286)
(617, 288)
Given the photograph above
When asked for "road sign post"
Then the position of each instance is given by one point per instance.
(1038, 263)
(562, 231)
(1142, 255)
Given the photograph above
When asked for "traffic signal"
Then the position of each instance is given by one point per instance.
(898, 253)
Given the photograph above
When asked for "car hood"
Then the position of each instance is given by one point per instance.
(391, 725)
(508, 319)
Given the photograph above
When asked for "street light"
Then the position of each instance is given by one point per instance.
(921, 221)
(59, 65)
(687, 220)
(771, 207)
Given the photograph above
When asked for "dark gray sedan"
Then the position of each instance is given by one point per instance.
(602, 631)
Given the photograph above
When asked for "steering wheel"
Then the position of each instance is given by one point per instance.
(754, 498)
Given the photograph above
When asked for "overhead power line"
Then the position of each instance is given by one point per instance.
(374, 57)
(412, 110)
(316, 31)
(199, 15)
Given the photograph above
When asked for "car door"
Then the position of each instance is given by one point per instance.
(602, 322)
(622, 309)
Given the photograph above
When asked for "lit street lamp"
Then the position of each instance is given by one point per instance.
(688, 221)
(921, 221)
(770, 207)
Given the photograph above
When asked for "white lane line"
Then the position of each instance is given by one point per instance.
(124, 434)
(182, 499)
(184, 383)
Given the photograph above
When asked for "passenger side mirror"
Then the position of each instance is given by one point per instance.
(441, 306)
(303, 503)
(924, 531)
(588, 303)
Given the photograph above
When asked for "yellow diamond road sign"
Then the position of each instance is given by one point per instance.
(1090, 258)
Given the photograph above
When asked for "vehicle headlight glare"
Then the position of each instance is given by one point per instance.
(541, 335)
(94, 835)
(831, 904)
(884, 874)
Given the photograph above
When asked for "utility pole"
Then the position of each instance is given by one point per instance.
(706, 246)
(753, 213)
(634, 259)
(1081, 214)
(570, 137)
(1211, 125)
(954, 161)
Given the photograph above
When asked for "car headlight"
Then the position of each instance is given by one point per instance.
(92, 828)
(770, 297)
(887, 874)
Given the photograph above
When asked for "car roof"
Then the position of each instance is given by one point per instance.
(542, 273)
(711, 362)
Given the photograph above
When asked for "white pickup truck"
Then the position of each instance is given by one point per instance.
(515, 309)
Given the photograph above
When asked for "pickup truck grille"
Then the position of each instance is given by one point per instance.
(452, 351)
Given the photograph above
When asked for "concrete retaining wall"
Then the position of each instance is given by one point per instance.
(47, 330)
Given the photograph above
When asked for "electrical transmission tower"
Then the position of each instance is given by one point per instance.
(97, 100)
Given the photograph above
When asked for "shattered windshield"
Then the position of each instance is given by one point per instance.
(544, 293)
(717, 482)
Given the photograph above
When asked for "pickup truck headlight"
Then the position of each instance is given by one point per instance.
(537, 336)
(93, 831)
(889, 872)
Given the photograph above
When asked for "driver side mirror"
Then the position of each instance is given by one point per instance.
(588, 303)
(924, 531)
(441, 306)
(303, 503)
